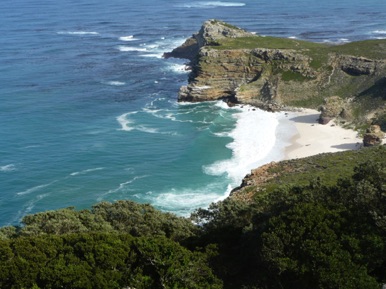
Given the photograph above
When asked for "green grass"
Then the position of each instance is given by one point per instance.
(327, 167)
(293, 76)
(375, 49)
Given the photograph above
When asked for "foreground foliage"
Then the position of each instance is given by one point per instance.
(322, 232)
(307, 236)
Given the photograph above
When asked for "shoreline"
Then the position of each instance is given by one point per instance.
(313, 138)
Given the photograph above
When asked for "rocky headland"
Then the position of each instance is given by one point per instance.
(345, 82)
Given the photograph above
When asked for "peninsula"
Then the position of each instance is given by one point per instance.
(345, 82)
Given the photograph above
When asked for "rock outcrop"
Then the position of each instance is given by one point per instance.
(210, 33)
(374, 136)
(274, 73)
(333, 107)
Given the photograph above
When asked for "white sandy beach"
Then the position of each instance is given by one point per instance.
(314, 138)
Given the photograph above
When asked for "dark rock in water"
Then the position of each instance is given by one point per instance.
(374, 136)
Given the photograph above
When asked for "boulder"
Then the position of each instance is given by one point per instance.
(373, 136)
(333, 107)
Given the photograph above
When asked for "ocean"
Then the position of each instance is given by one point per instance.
(89, 111)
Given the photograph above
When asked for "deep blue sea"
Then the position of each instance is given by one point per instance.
(88, 108)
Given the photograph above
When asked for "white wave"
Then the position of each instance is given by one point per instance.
(34, 189)
(292, 37)
(178, 68)
(184, 201)
(382, 31)
(8, 168)
(337, 41)
(124, 48)
(86, 171)
(115, 83)
(158, 47)
(127, 38)
(152, 55)
(254, 137)
(78, 33)
(213, 4)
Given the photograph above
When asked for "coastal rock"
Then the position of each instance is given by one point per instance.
(374, 136)
(210, 33)
(358, 65)
(333, 107)
(277, 73)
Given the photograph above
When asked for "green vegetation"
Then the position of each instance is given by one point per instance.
(319, 223)
(292, 76)
(374, 49)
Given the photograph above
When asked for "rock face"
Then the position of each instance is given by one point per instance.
(333, 107)
(373, 136)
(273, 73)
(210, 33)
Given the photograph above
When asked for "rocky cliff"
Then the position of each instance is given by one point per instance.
(274, 73)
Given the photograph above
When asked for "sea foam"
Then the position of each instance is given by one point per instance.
(183, 201)
(127, 38)
(81, 33)
(115, 83)
(124, 48)
(8, 168)
(86, 171)
(212, 4)
(254, 136)
(34, 189)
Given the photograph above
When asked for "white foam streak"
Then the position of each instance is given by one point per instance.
(115, 83)
(128, 124)
(34, 189)
(213, 4)
(8, 168)
(120, 188)
(28, 207)
(81, 33)
(125, 122)
(124, 48)
(379, 32)
(86, 171)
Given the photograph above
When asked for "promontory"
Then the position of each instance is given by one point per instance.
(346, 81)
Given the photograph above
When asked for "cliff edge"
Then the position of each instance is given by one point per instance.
(276, 73)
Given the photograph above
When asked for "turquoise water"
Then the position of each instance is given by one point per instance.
(88, 107)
